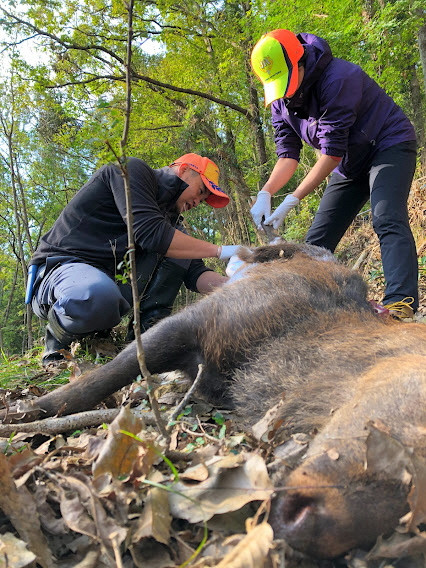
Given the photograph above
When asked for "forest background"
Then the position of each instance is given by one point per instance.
(62, 107)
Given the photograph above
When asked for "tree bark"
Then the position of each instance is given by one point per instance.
(421, 39)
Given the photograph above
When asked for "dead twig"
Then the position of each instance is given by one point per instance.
(71, 422)
(202, 434)
(186, 398)
(122, 162)
(362, 257)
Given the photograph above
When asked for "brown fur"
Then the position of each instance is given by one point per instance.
(342, 503)
(317, 368)
(301, 328)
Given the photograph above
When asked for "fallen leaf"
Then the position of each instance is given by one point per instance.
(14, 552)
(386, 454)
(122, 455)
(398, 546)
(333, 454)
(151, 554)
(199, 472)
(417, 496)
(265, 429)
(251, 551)
(83, 512)
(155, 519)
(20, 507)
(233, 481)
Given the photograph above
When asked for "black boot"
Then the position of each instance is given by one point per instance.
(159, 296)
(57, 341)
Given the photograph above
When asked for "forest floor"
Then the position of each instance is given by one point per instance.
(112, 492)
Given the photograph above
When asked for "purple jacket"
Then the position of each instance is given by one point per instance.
(339, 110)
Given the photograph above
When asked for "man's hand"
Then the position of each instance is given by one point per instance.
(261, 208)
(281, 212)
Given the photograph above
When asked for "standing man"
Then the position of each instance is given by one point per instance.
(366, 143)
(76, 288)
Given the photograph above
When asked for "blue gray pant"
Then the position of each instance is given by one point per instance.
(85, 299)
(387, 184)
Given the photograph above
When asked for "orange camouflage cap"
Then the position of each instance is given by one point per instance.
(209, 173)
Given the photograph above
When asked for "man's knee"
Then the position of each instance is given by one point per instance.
(93, 307)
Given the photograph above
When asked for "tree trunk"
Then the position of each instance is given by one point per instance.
(418, 119)
(421, 39)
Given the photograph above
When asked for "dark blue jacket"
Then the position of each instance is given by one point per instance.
(339, 110)
(92, 227)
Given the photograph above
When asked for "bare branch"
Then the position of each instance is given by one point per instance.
(86, 81)
(207, 96)
(73, 422)
(65, 44)
(135, 76)
(131, 243)
(166, 126)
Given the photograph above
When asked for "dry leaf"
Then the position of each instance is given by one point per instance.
(265, 429)
(151, 554)
(83, 512)
(386, 454)
(398, 546)
(16, 552)
(233, 481)
(49, 521)
(251, 551)
(23, 462)
(122, 455)
(75, 514)
(417, 496)
(199, 472)
(155, 519)
(20, 507)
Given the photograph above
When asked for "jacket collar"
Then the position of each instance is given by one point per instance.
(317, 57)
(170, 187)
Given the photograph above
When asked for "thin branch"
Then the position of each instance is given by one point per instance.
(72, 422)
(167, 86)
(166, 126)
(186, 398)
(8, 45)
(131, 244)
(68, 45)
(86, 81)
(90, 47)
(212, 98)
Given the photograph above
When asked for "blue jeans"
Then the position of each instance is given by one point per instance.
(86, 300)
(387, 184)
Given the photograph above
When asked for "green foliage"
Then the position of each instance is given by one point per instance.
(19, 372)
(65, 106)
(299, 221)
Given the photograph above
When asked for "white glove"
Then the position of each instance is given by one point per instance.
(227, 251)
(262, 207)
(281, 212)
(237, 268)
(234, 264)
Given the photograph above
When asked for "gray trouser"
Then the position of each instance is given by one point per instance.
(86, 300)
